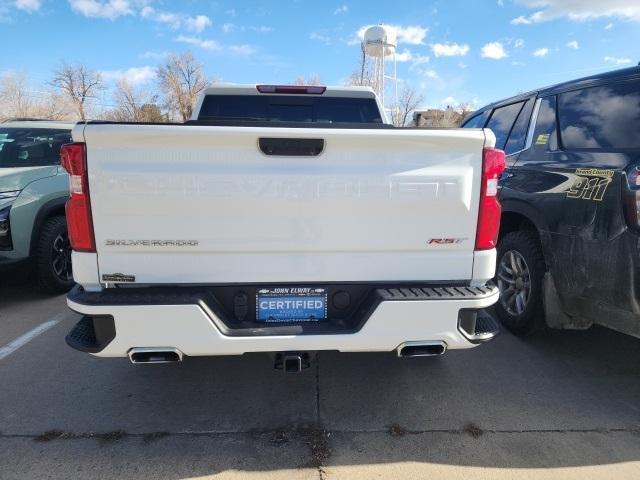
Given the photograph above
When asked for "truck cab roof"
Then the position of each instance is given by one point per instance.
(326, 91)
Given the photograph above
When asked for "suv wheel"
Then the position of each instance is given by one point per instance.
(53, 257)
(519, 273)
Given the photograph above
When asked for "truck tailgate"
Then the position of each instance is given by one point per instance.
(203, 204)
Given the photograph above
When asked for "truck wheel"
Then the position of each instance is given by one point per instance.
(520, 270)
(53, 257)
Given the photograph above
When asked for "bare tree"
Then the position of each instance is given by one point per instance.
(54, 106)
(313, 79)
(181, 80)
(17, 99)
(79, 84)
(408, 100)
(150, 112)
(451, 116)
(364, 74)
(465, 109)
(134, 104)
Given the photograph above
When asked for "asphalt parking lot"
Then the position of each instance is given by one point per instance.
(562, 406)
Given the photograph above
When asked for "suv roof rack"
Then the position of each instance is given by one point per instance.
(27, 119)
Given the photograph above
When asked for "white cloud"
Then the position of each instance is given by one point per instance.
(154, 55)
(541, 52)
(134, 75)
(449, 49)
(214, 46)
(198, 42)
(430, 74)
(521, 20)
(232, 12)
(412, 35)
(493, 50)
(110, 9)
(573, 44)
(419, 60)
(449, 101)
(261, 29)
(320, 38)
(199, 23)
(519, 42)
(582, 10)
(167, 18)
(175, 20)
(405, 56)
(228, 27)
(241, 49)
(618, 60)
(518, 64)
(28, 5)
(609, 26)
(408, 56)
(341, 9)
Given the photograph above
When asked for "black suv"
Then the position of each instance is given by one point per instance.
(569, 248)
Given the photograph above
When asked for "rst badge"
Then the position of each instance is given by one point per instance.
(445, 241)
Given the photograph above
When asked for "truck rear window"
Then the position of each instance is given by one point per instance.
(290, 108)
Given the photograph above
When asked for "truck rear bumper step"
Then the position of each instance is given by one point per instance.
(398, 316)
(92, 333)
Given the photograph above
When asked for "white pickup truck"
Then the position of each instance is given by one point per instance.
(281, 219)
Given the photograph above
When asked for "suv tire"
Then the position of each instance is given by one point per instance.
(520, 272)
(53, 257)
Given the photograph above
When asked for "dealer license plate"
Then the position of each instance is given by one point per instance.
(291, 304)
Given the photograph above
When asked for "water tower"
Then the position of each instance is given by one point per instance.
(378, 43)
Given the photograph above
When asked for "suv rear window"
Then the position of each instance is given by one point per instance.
(518, 135)
(605, 118)
(290, 108)
(31, 147)
(477, 121)
(501, 122)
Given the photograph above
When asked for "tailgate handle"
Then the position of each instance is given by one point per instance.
(291, 147)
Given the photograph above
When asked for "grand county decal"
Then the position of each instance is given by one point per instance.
(591, 184)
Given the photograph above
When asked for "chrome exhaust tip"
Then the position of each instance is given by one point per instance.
(155, 355)
(421, 349)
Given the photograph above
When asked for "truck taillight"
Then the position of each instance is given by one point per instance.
(632, 198)
(493, 164)
(79, 224)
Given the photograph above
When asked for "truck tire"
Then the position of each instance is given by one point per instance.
(520, 270)
(53, 257)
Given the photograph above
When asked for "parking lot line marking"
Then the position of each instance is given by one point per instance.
(22, 340)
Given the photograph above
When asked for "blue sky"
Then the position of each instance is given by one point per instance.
(452, 51)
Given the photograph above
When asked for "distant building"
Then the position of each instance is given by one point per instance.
(436, 117)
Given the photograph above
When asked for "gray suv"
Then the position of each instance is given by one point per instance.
(33, 191)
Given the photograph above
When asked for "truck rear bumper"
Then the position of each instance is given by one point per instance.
(398, 316)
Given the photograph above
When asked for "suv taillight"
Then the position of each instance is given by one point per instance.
(632, 198)
(493, 164)
(79, 224)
